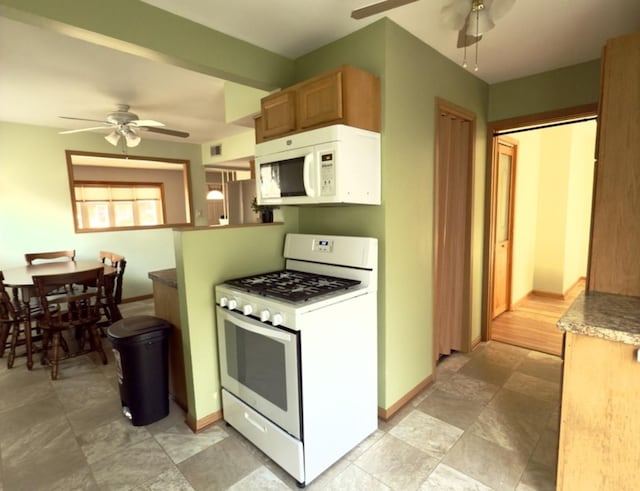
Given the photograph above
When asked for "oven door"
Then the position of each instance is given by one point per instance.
(259, 365)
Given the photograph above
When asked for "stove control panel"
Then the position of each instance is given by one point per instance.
(251, 307)
(322, 245)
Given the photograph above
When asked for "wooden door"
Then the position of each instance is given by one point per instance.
(503, 244)
(452, 235)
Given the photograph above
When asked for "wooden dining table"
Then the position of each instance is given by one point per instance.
(20, 280)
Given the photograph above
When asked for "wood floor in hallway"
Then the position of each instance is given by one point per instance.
(532, 323)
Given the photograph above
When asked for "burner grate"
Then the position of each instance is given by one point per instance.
(291, 285)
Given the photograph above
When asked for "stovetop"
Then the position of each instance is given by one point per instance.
(291, 285)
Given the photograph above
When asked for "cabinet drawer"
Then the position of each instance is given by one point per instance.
(281, 447)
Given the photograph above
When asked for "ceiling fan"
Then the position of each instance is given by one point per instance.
(471, 18)
(124, 124)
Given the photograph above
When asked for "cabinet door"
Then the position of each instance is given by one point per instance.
(599, 428)
(278, 114)
(320, 101)
(615, 228)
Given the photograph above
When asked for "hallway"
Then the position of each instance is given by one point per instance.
(532, 323)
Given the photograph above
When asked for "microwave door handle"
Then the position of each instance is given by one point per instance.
(306, 174)
(277, 335)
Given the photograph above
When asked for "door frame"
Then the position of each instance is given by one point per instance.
(493, 130)
(513, 143)
(442, 105)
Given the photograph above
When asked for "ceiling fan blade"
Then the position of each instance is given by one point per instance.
(84, 129)
(145, 122)
(465, 39)
(376, 8)
(84, 119)
(165, 131)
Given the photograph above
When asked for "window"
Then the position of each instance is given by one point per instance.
(114, 192)
(118, 204)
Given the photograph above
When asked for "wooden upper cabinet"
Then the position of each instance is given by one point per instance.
(614, 261)
(320, 101)
(278, 113)
(345, 95)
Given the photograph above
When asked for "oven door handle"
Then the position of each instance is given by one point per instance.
(262, 331)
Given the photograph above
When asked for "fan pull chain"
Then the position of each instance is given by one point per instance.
(475, 68)
(464, 62)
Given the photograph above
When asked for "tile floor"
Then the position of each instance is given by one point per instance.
(489, 422)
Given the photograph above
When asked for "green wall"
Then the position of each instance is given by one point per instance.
(205, 258)
(571, 86)
(404, 221)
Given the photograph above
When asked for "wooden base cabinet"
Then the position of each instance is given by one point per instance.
(166, 306)
(600, 417)
(345, 95)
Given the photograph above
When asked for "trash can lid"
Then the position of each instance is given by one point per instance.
(138, 325)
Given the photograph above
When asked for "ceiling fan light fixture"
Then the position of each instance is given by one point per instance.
(133, 140)
(479, 22)
(113, 138)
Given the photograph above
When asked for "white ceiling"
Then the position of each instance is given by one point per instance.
(44, 74)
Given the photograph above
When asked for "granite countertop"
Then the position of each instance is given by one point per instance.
(165, 276)
(605, 316)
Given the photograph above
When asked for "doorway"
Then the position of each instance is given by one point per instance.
(548, 218)
(505, 155)
(455, 130)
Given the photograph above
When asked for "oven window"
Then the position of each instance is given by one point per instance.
(257, 362)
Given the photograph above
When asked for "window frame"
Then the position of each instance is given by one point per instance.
(112, 215)
(127, 161)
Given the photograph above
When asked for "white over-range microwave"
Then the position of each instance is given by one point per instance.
(330, 165)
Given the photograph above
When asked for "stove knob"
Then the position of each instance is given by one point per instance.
(247, 309)
(264, 315)
(233, 303)
(276, 320)
(223, 301)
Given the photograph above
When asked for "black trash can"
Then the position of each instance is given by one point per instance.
(141, 350)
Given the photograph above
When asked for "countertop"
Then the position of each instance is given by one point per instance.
(605, 316)
(165, 276)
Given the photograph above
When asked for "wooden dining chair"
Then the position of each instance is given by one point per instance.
(118, 262)
(17, 327)
(30, 257)
(77, 311)
(113, 284)
(9, 317)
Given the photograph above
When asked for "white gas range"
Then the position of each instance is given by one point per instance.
(298, 352)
